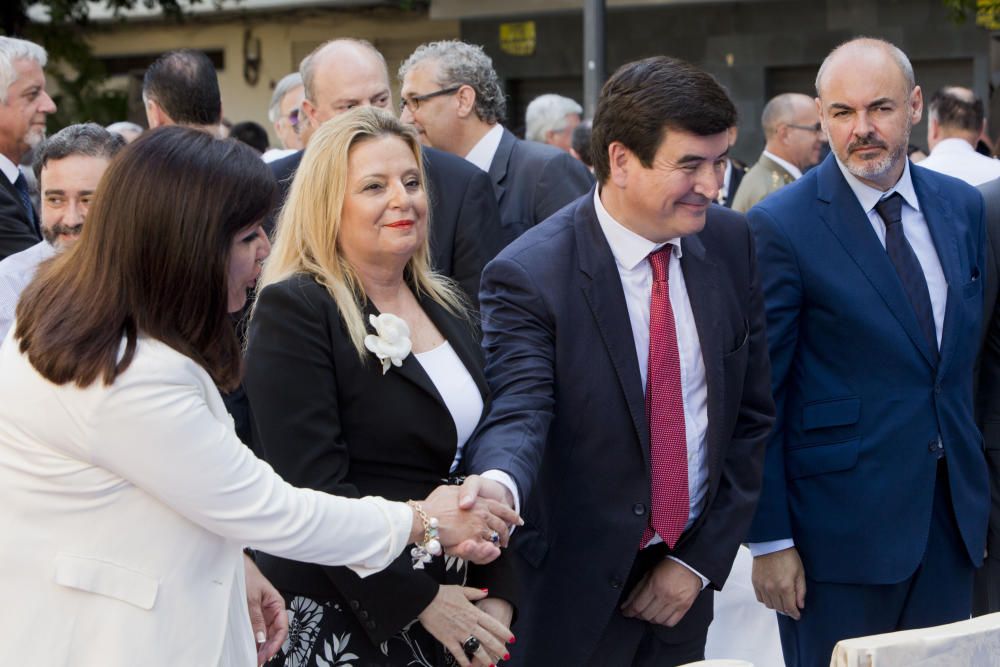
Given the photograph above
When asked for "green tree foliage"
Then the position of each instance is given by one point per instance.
(79, 93)
(986, 13)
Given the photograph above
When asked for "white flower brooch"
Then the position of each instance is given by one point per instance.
(391, 340)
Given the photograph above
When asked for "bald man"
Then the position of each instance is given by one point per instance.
(873, 512)
(794, 142)
(956, 120)
(464, 218)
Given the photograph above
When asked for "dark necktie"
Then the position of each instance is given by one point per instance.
(21, 185)
(665, 412)
(908, 267)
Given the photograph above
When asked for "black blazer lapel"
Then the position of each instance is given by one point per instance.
(498, 168)
(700, 279)
(411, 368)
(841, 212)
(602, 288)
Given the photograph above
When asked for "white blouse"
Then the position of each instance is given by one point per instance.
(455, 384)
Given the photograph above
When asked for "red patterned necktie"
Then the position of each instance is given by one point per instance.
(665, 412)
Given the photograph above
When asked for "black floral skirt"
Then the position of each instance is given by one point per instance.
(319, 636)
(323, 633)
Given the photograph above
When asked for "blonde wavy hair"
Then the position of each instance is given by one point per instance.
(308, 228)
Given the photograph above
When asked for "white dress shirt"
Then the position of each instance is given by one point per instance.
(918, 234)
(784, 164)
(956, 157)
(457, 389)
(631, 251)
(16, 271)
(9, 169)
(483, 152)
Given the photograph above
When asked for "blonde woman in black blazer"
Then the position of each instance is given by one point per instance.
(349, 400)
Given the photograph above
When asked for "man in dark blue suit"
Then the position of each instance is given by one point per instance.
(875, 500)
(464, 219)
(627, 360)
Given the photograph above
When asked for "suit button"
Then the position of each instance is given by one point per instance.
(932, 445)
(370, 625)
(355, 605)
(616, 584)
(363, 615)
(638, 509)
(937, 388)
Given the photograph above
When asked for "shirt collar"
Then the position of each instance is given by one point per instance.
(869, 196)
(953, 145)
(628, 248)
(784, 164)
(8, 168)
(482, 153)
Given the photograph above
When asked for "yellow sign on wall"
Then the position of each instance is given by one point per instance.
(518, 39)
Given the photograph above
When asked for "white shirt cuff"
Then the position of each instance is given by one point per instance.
(765, 548)
(704, 581)
(508, 483)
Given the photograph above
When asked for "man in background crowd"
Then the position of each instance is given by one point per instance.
(127, 130)
(873, 513)
(452, 95)
(252, 134)
(68, 165)
(283, 112)
(580, 147)
(955, 122)
(735, 171)
(182, 88)
(24, 104)
(794, 142)
(464, 220)
(550, 119)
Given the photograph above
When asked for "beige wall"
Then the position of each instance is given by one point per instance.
(282, 39)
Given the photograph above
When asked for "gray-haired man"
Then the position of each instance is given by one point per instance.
(452, 95)
(23, 107)
(68, 166)
(550, 119)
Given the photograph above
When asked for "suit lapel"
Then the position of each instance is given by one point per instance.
(938, 214)
(498, 168)
(602, 288)
(842, 213)
(700, 279)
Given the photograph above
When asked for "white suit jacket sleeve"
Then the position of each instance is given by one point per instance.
(158, 432)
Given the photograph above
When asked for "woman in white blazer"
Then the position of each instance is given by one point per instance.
(125, 495)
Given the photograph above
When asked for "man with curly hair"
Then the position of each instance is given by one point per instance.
(452, 95)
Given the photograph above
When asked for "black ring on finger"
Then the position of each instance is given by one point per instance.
(470, 646)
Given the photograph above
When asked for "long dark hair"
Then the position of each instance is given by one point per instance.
(152, 260)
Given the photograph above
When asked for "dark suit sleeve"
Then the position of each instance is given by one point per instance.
(291, 379)
(477, 235)
(782, 289)
(16, 233)
(732, 508)
(519, 342)
(563, 180)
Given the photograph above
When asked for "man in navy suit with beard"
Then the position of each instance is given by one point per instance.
(875, 501)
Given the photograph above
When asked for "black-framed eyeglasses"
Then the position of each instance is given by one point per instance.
(414, 102)
(818, 127)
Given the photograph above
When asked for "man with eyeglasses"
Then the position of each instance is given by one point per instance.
(452, 95)
(464, 220)
(794, 143)
(283, 112)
